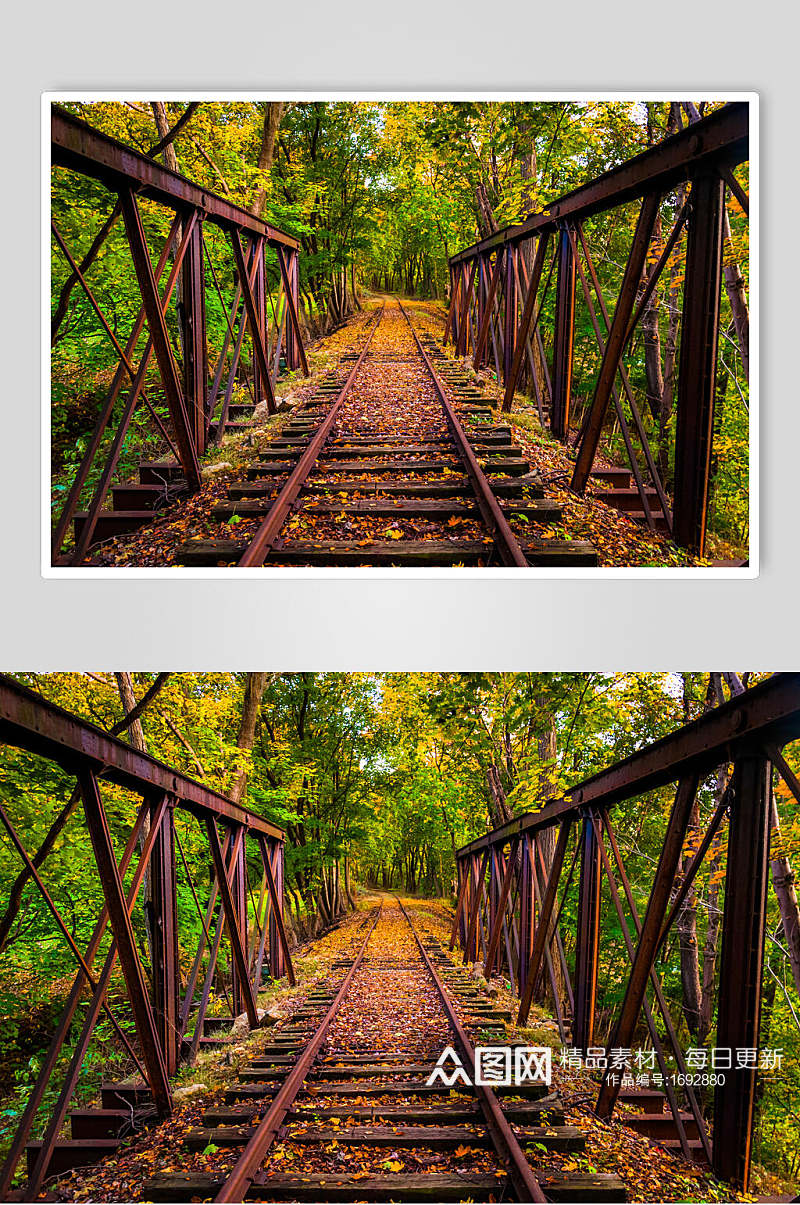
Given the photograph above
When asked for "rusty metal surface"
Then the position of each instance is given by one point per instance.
(264, 540)
(32, 722)
(507, 544)
(236, 1186)
(78, 146)
(768, 713)
(721, 140)
(697, 365)
(739, 732)
(741, 964)
(503, 1137)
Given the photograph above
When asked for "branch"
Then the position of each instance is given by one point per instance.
(185, 116)
(177, 733)
(212, 165)
(136, 711)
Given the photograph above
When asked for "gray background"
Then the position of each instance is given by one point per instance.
(400, 623)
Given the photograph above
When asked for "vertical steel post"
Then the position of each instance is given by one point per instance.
(564, 336)
(495, 878)
(114, 894)
(741, 965)
(464, 871)
(292, 352)
(509, 311)
(239, 894)
(468, 282)
(697, 371)
(615, 343)
(587, 938)
(526, 911)
(140, 253)
(458, 319)
(193, 321)
(481, 290)
(660, 893)
(260, 295)
(164, 931)
(276, 960)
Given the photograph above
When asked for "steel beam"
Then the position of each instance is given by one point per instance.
(524, 332)
(295, 352)
(466, 299)
(742, 957)
(31, 722)
(545, 929)
(766, 714)
(488, 296)
(140, 254)
(564, 337)
(91, 1014)
(114, 895)
(615, 343)
(697, 371)
(527, 918)
(719, 140)
(279, 955)
(193, 321)
(500, 893)
(509, 311)
(164, 933)
(233, 918)
(587, 939)
(657, 905)
(79, 147)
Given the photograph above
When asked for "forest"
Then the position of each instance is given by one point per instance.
(380, 195)
(377, 780)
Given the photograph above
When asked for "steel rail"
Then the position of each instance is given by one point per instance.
(505, 1141)
(491, 511)
(244, 1172)
(265, 538)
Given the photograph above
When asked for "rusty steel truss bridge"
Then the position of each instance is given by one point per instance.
(497, 309)
(511, 901)
(113, 779)
(499, 287)
(509, 917)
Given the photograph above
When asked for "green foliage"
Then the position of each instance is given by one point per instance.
(387, 775)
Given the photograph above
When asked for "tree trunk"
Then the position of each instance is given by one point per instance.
(499, 811)
(162, 125)
(273, 112)
(253, 694)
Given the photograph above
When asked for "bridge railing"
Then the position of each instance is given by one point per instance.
(506, 287)
(259, 302)
(153, 901)
(515, 882)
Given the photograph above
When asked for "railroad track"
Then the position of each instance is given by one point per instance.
(323, 1087)
(395, 460)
